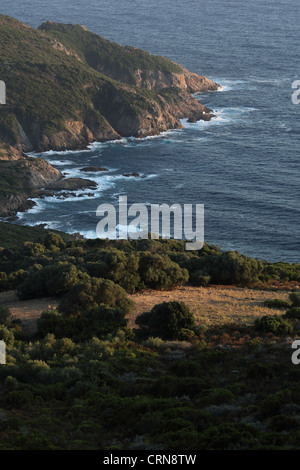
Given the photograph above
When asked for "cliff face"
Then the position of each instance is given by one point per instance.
(19, 178)
(67, 87)
(125, 64)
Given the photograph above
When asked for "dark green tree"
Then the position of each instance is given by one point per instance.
(167, 320)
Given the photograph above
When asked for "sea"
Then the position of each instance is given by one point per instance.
(243, 165)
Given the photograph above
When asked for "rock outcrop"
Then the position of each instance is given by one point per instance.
(70, 87)
(20, 178)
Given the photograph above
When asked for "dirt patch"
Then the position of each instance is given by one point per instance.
(28, 311)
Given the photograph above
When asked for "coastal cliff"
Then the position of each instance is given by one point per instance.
(67, 87)
(20, 178)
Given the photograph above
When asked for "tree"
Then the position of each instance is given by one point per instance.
(159, 272)
(167, 320)
(89, 294)
(273, 324)
(53, 241)
(4, 315)
(53, 280)
(295, 299)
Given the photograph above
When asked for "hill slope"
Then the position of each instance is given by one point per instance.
(67, 87)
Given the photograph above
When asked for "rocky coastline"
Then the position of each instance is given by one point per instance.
(103, 101)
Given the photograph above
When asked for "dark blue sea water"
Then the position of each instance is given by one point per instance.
(244, 165)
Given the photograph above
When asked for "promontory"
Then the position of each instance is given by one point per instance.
(67, 87)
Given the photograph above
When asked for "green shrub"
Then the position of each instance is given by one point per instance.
(232, 268)
(197, 278)
(159, 272)
(273, 324)
(53, 241)
(4, 315)
(51, 280)
(236, 436)
(295, 299)
(118, 266)
(99, 322)
(167, 320)
(283, 423)
(6, 335)
(277, 303)
(272, 404)
(293, 312)
(89, 294)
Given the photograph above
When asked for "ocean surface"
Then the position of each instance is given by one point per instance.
(243, 165)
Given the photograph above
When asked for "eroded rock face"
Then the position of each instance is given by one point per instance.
(93, 169)
(72, 184)
(140, 95)
(77, 135)
(27, 175)
(185, 80)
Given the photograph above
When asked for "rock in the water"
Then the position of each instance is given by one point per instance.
(93, 169)
(135, 174)
(72, 184)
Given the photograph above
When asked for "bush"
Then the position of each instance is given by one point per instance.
(89, 294)
(293, 312)
(159, 272)
(273, 324)
(119, 267)
(6, 335)
(54, 241)
(283, 423)
(98, 323)
(227, 436)
(4, 315)
(272, 404)
(167, 320)
(277, 303)
(52, 280)
(233, 268)
(295, 299)
(197, 278)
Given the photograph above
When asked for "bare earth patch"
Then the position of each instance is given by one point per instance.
(210, 305)
(28, 311)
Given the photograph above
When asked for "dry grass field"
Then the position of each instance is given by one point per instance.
(210, 305)
(214, 304)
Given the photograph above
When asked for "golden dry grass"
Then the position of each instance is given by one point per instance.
(28, 311)
(214, 304)
(211, 305)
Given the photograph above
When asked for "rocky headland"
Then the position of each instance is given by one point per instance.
(68, 87)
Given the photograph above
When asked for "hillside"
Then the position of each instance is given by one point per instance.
(85, 370)
(67, 87)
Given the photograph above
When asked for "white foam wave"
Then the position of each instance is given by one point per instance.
(60, 162)
(222, 116)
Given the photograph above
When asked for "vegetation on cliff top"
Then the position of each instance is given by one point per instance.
(63, 73)
(67, 87)
(85, 380)
(103, 55)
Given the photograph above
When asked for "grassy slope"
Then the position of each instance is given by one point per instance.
(43, 85)
(12, 235)
(114, 58)
(47, 85)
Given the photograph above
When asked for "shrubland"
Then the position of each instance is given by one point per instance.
(86, 381)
